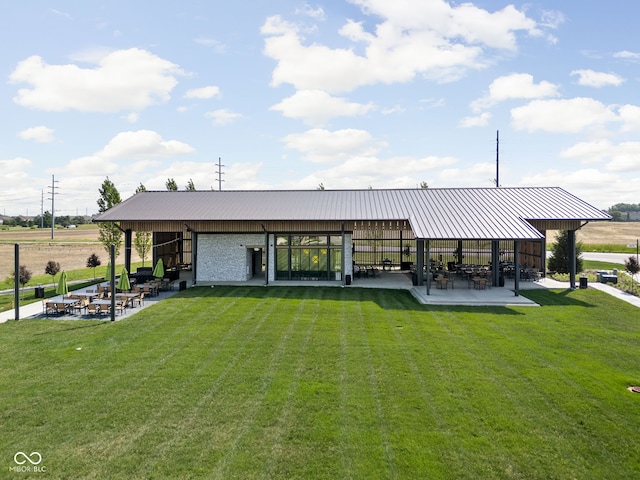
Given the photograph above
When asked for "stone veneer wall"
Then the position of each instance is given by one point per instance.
(225, 257)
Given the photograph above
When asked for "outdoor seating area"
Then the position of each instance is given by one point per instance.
(91, 303)
(97, 301)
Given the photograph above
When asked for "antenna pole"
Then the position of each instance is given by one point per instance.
(497, 158)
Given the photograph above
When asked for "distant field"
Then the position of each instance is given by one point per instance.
(70, 247)
(615, 233)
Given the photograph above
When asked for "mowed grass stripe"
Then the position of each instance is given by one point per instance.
(286, 382)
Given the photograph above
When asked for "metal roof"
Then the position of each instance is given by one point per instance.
(434, 213)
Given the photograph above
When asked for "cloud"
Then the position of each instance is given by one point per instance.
(316, 107)
(514, 86)
(308, 11)
(562, 116)
(140, 144)
(627, 55)
(217, 46)
(39, 134)
(431, 39)
(325, 146)
(130, 79)
(203, 92)
(590, 78)
(481, 120)
(624, 157)
(630, 116)
(223, 116)
(364, 171)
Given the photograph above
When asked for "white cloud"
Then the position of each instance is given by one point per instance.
(203, 92)
(223, 116)
(315, 13)
(325, 146)
(481, 120)
(562, 116)
(142, 143)
(591, 78)
(364, 171)
(316, 107)
(432, 39)
(132, 117)
(130, 79)
(40, 134)
(624, 157)
(630, 116)
(514, 86)
(217, 46)
(627, 55)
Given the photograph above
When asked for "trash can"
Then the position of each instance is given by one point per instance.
(183, 285)
(39, 291)
(501, 281)
(583, 282)
(347, 279)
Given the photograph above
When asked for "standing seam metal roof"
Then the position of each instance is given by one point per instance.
(448, 213)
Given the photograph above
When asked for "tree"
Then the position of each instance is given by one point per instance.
(424, 185)
(559, 261)
(110, 232)
(190, 186)
(633, 268)
(92, 262)
(171, 184)
(52, 268)
(320, 186)
(143, 240)
(24, 275)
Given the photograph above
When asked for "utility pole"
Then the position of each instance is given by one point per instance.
(42, 209)
(497, 158)
(220, 173)
(53, 211)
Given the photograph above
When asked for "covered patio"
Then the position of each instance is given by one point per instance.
(333, 236)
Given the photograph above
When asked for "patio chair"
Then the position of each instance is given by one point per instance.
(93, 309)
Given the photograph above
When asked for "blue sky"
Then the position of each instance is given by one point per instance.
(290, 94)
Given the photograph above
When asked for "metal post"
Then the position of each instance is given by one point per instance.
(572, 259)
(516, 266)
(266, 254)
(112, 282)
(16, 276)
(420, 263)
(428, 282)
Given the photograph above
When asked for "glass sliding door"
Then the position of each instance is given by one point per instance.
(309, 257)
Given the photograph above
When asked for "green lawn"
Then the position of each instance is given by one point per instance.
(331, 383)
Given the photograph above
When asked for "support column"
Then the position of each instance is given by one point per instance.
(127, 249)
(194, 257)
(543, 255)
(267, 258)
(428, 282)
(516, 266)
(572, 259)
(495, 262)
(420, 261)
(343, 262)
